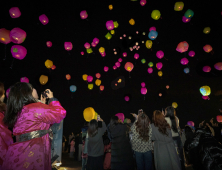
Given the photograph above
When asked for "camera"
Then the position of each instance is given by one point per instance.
(44, 95)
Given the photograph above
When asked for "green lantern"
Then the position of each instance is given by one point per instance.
(150, 64)
(89, 50)
(143, 61)
(108, 36)
(189, 13)
(115, 24)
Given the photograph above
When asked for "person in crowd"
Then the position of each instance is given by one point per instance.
(217, 130)
(165, 155)
(173, 121)
(107, 150)
(95, 145)
(70, 137)
(31, 123)
(72, 148)
(141, 142)
(77, 147)
(64, 140)
(121, 152)
(5, 133)
(84, 156)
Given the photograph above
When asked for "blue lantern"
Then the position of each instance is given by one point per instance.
(73, 88)
(186, 70)
(152, 35)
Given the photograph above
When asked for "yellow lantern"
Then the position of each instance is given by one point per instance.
(206, 30)
(48, 63)
(132, 22)
(90, 86)
(160, 73)
(112, 32)
(110, 7)
(84, 77)
(175, 105)
(98, 82)
(155, 14)
(43, 79)
(89, 114)
(101, 49)
(149, 44)
(178, 6)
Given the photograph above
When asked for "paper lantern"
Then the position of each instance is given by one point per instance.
(153, 34)
(82, 53)
(185, 20)
(167, 86)
(14, 12)
(207, 48)
(115, 24)
(108, 36)
(218, 66)
(142, 2)
(43, 19)
(126, 98)
(129, 66)
(98, 82)
(19, 52)
(101, 87)
(17, 35)
(149, 44)
(117, 64)
(143, 84)
(124, 54)
(190, 123)
(150, 64)
(48, 43)
(24, 79)
(73, 88)
(114, 67)
(160, 73)
(5, 36)
(68, 46)
(189, 13)
(184, 61)
(7, 92)
(53, 67)
(182, 47)
(106, 68)
(68, 77)
(206, 30)
(186, 70)
(84, 77)
(206, 69)
(87, 45)
(120, 60)
(83, 14)
(88, 114)
(132, 22)
(112, 32)
(205, 90)
(160, 54)
(89, 50)
(110, 7)
(191, 53)
(96, 41)
(174, 105)
(150, 70)
(89, 78)
(155, 14)
(143, 90)
(110, 25)
(90, 86)
(101, 49)
(48, 63)
(120, 116)
(43, 79)
(143, 61)
(93, 44)
(205, 97)
(136, 56)
(178, 6)
(98, 75)
(219, 118)
(152, 29)
(159, 65)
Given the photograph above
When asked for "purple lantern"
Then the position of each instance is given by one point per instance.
(160, 54)
(117, 64)
(120, 60)
(190, 123)
(89, 78)
(68, 46)
(152, 29)
(83, 14)
(7, 92)
(143, 84)
(114, 67)
(49, 43)
(43, 19)
(124, 54)
(19, 52)
(184, 61)
(185, 20)
(159, 65)
(218, 66)
(143, 90)
(82, 53)
(14, 12)
(96, 41)
(106, 68)
(205, 97)
(206, 69)
(136, 56)
(109, 25)
(191, 53)
(150, 70)
(142, 2)
(126, 98)
(24, 79)
(87, 45)
(17, 35)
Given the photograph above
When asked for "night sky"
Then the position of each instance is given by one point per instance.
(65, 25)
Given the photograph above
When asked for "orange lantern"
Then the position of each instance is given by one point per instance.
(68, 77)
(129, 66)
(207, 48)
(219, 118)
(101, 88)
(4, 36)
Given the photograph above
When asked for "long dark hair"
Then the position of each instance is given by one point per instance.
(171, 114)
(160, 122)
(142, 126)
(93, 128)
(2, 105)
(20, 95)
(114, 121)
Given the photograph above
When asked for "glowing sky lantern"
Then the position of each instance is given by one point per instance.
(150, 70)
(152, 29)
(114, 67)
(98, 75)
(124, 54)
(219, 118)
(178, 6)
(207, 48)
(206, 30)
(120, 60)
(4, 36)
(143, 61)
(206, 69)
(160, 54)
(68, 46)
(159, 65)
(106, 68)
(68, 77)
(184, 61)
(93, 44)
(108, 36)
(189, 13)
(14, 12)
(143, 84)
(153, 34)
(115, 24)
(73, 88)
(48, 63)
(136, 56)
(88, 114)
(48, 43)
(101, 87)
(150, 64)
(43, 79)
(218, 66)
(43, 19)
(191, 53)
(149, 44)
(19, 52)
(186, 70)
(101, 49)
(87, 45)
(96, 40)
(126, 98)
(160, 73)
(89, 50)
(182, 47)
(17, 35)
(110, 7)
(155, 14)
(132, 21)
(205, 90)
(53, 67)
(83, 14)
(109, 25)
(90, 86)
(129, 66)
(117, 64)
(143, 90)
(185, 20)
(24, 79)
(82, 53)
(98, 82)
(175, 105)
(84, 77)
(89, 78)
(142, 2)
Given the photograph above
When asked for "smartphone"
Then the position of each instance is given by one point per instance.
(98, 117)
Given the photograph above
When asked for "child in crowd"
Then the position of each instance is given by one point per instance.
(72, 148)
(84, 156)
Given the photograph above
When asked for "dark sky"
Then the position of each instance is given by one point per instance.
(65, 25)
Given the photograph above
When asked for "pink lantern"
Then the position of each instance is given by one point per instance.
(190, 123)
(205, 97)
(114, 67)
(159, 65)
(143, 90)
(5, 36)
(49, 43)
(126, 98)
(120, 116)
(120, 60)
(124, 54)
(207, 69)
(98, 75)
(101, 88)
(96, 41)
(150, 70)
(53, 67)
(89, 78)
(109, 25)
(184, 61)
(17, 35)
(117, 64)
(136, 56)
(7, 92)
(43, 19)
(82, 53)
(93, 44)
(14, 12)
(106, 68)
(103, 54)
(160, 54)
(207, 48)
(219, 118)
(167, 86)
(83, 14)
(142, 2)
(19, 52)
(87, 45)
(218, 66)
(152, 29)
(129, 66)
(24, 79)
(143, 84)
(68, 46)
(182, 47)
(185, 20)
(191, 53)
